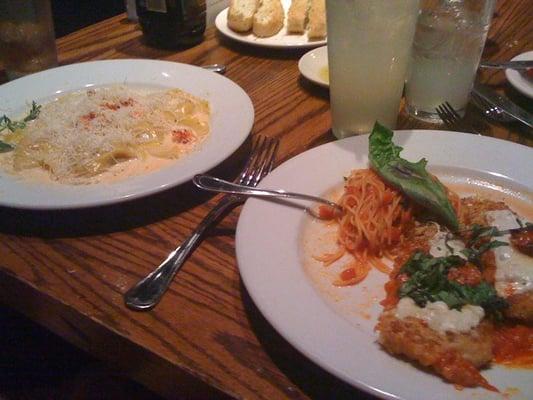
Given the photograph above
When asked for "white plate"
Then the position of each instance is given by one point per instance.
(521, 82)
(282, 39)
(313, 64)
(327, 327)
(231, 121)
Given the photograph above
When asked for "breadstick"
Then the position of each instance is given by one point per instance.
(269, 18)
(316, 27)
(241, 14)
(297, 16)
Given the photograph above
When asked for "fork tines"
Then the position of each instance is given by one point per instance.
(260, 161)
(452, 119)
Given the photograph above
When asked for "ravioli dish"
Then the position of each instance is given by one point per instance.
(460, 291)
(103, 134)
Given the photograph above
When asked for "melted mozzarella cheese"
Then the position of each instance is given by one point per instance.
(441, 318)
(514, 270)
(440, 246)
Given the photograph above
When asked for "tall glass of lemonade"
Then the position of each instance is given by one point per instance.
(369, 42)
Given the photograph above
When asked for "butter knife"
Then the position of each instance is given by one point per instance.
(504, 103)
(525, 64)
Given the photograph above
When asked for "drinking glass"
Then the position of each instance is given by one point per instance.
(368, 50)
(450, 36)
(27, 40)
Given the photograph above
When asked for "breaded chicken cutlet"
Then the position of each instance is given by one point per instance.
(457, 352)
(453, 352)
(454, 356)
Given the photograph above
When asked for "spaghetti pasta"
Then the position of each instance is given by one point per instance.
(374, 216)
(375, 219)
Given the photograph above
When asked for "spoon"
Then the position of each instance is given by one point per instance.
(213, 184)
(219, 68)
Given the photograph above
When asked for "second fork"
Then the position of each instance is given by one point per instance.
(452, 119)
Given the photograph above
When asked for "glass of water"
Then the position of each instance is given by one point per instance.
(449, 39)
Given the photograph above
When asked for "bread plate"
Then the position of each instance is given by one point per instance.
(313, 65)
(519, 79)
(282, 39)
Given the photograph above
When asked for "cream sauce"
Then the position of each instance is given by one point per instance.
(118, 172)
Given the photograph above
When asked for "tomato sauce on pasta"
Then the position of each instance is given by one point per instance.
(375, 219)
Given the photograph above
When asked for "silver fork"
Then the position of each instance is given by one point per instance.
(490, 110)
(147, 293)
(452, 119)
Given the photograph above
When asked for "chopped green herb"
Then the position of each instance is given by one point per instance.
(5, 147)
(428, 282)
(34, 112)
(411, 178)
(474, 253)
(478, 231)
(481, 241)
(7, 123)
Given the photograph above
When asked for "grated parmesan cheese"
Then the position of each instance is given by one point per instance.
(85, 133)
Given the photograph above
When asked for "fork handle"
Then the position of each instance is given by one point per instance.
(522, 64)
(213, 184)
(147, 293)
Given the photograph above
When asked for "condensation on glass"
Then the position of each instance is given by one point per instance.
(449, 40)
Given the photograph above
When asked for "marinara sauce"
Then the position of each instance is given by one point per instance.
(513, 346)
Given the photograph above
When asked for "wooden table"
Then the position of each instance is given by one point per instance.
(68, 270)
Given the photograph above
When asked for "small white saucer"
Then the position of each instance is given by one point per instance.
(518, 78)
(314, 66)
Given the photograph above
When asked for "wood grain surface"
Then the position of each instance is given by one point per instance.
(68, 270)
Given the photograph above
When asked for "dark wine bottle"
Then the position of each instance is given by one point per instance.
(172, 23)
